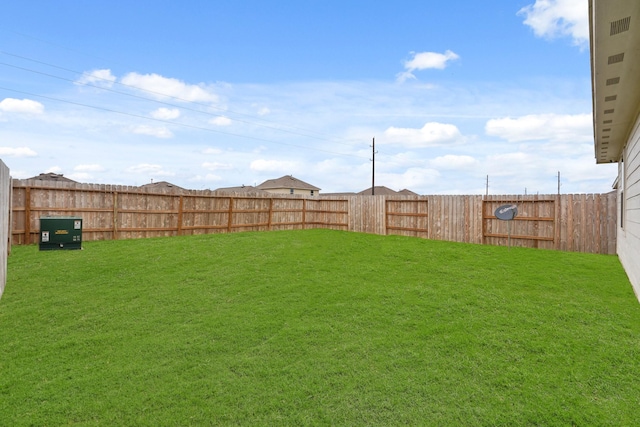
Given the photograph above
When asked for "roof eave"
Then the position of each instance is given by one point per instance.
(614, 41)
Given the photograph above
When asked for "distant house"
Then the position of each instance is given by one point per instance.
(379, 190)
(288, 184)
(163, 187)
(239, 190)
(406, 192)
(614, 34)
(51, 177)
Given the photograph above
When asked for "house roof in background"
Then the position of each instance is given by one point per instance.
(380, 190)
(163, 185)
(239, 189)
(287, 181)
(51, 177)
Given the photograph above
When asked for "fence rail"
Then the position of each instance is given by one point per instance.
(583, 223)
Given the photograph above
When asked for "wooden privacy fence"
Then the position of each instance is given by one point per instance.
(583, 223)
(568, 222)
(128, 214)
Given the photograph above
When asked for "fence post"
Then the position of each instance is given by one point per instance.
(229, 222)
(556, 222)
(270, 212)
(180, 202)
(10, 230)
(304, 214)
(27, 215)
(115, 215)
(484, 222)
(386, 217)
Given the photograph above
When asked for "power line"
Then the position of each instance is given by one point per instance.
(162, 102)
(174, 123)
(325, 136)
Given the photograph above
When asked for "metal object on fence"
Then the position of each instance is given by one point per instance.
(507, 213)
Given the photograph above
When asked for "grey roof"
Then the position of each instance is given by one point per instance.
(287, 181)
(163, 185)
(380, 190)
(406, 192)
(240, 189)
(51, 177)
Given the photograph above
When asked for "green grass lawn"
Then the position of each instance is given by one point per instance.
(316, 327)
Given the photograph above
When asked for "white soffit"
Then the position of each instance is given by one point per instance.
(615, 73)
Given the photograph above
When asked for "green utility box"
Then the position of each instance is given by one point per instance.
(60, 232)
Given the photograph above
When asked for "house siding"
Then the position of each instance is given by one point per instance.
(629, 195)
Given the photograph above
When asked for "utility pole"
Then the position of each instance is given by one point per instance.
(373, 167)
(558, 183)
(487, 191)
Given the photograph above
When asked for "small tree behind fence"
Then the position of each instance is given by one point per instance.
(584, 222)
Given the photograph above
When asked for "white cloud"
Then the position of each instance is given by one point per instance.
(333, 167)
(159, 86)
(12, 105)
(280, 166)
(89, 168)
(160, 132)
(165, 113)
(53, 169)
(214, 166)
(408, 159)
(81, 176)
(512, 164)
(207, 178)
(210, 177)
(558, 18)
(263, 111)
(451, 161)
(584, 169)
(431, 134)
(554, 127)
(101, 78)
(412, 179)
(424, 61)
(220, 121)
(17, 152)
(149, 169)
(212, 151)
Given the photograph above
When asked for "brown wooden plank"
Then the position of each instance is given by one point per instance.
(520, 237)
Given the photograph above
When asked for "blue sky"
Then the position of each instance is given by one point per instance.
(219, 94)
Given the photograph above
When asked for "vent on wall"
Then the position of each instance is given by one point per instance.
(614, 59)
(613, 81)
(620, 26)
(606, 122)
(610, 111)
(610, 98)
